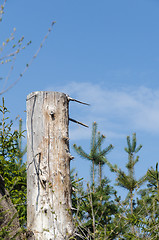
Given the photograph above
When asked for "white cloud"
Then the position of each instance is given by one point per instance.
(116, 110)
(79, 133)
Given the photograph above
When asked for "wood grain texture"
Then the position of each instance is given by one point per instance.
(48, 166)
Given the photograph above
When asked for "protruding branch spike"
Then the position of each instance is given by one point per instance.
(70, 156)
(75, 100)
(73, 120)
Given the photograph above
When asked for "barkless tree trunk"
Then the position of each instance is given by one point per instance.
(48, 166)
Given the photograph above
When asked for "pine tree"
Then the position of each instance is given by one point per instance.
(128, 180)
(96, 155)
(94, 211)
(12, 169)
(102, 159)
(147, 208)
(96, 207)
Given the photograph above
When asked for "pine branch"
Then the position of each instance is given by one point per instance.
(129, 149)
(81, 152)
(138, 148)
(133, 142)
(94, 131)
(99, 141)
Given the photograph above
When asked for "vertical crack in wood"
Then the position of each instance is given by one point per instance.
(37, 169)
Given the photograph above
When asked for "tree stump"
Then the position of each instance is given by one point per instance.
(49, 214)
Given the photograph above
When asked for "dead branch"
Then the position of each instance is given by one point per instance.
(75, 121)
(75, 100)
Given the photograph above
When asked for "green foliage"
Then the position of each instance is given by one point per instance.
(98, 211)
(99, 215)
(96, 155)
(148, 205)
(99, 208)
(128, 181)
(12, 169)
(20, 151)
(77, 193)
(153, 182)
(93, 211)
(95, 207)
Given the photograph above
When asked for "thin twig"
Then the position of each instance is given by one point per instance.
(2, 8)
(9, 73)
(28, 65)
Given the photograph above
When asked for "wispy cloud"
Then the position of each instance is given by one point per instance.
(116, 110)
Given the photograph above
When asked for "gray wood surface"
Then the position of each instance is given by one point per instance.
(48, 166)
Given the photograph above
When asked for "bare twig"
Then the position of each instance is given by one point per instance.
(1, 9)
(9, 74)
(93, 216)
(28, 65)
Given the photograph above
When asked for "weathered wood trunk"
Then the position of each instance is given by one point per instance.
(48, 166)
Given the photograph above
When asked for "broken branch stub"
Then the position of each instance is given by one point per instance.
(75, 121)
(48, 159)
(75, 100)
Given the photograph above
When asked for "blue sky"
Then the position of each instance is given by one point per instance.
(102, 52)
